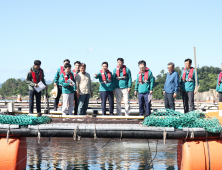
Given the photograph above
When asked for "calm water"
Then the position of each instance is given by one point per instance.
(88, 154)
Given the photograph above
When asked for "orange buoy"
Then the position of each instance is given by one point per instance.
(13, 154)
(193, 154)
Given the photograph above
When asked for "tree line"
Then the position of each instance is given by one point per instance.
(207, 79)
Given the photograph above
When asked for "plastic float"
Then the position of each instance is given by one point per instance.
(201, 153)
(13, 153)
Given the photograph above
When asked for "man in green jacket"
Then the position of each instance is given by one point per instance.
(219, 86)
(144, 87)
(122, 86)
(67, 82)
(106, 88)
(56, 83)
(34, 76)
(188, 83)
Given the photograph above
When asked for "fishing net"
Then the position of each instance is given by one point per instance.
(24, 120)
(193, 119)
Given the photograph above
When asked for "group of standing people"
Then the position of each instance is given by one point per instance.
(79, 91)
(118, 83)
(186, 84)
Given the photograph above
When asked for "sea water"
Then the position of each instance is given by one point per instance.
(90, 154)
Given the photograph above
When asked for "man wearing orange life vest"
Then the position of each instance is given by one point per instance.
(106, 88)
(122, 85)
(75, 72)
(34, 76)
(144, 87)
(56, 83)
(188, 83)
(219, 86)
(67, 82)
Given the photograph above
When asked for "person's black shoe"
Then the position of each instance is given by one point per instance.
(55, 109)
(39, 114)
(145, 116)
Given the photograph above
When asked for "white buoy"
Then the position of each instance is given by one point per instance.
(212, 100)
(19, 99)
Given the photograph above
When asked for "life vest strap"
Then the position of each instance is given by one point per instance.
(124, 77)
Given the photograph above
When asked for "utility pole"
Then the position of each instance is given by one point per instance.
(197, 86)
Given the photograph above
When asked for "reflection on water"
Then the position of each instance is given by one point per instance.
(88, 154)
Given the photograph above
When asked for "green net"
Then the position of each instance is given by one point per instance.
(24, 120)
(193, 119)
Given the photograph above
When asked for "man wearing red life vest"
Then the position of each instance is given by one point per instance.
(122, 84)
(75, 72)
(56, 83)
(219, 86)
(34, 76)
(67, 82)
(144, 86)
(188, 84)
(106, 88)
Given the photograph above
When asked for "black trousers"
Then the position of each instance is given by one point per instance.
(188, 96)
(220, 96)
(143, 103)
(169, 101)
(104, 95)
(76, 103)
(56, 101)
(37, 95)
(145, 108)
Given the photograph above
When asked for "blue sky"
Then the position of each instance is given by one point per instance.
(94, 31)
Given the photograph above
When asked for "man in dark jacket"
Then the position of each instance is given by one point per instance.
(171, 87)
(34, 76)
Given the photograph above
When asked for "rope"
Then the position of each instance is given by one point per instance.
(79, 138)
(8, 133)
(150, 152)
(75, 132)
(208, 151)
(39, 135)
(187, 134)
(164, 136)
(95, 133)
(192, 134)
(108, 142)
(121, 135)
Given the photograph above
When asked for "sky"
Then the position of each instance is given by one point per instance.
(93, 31)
